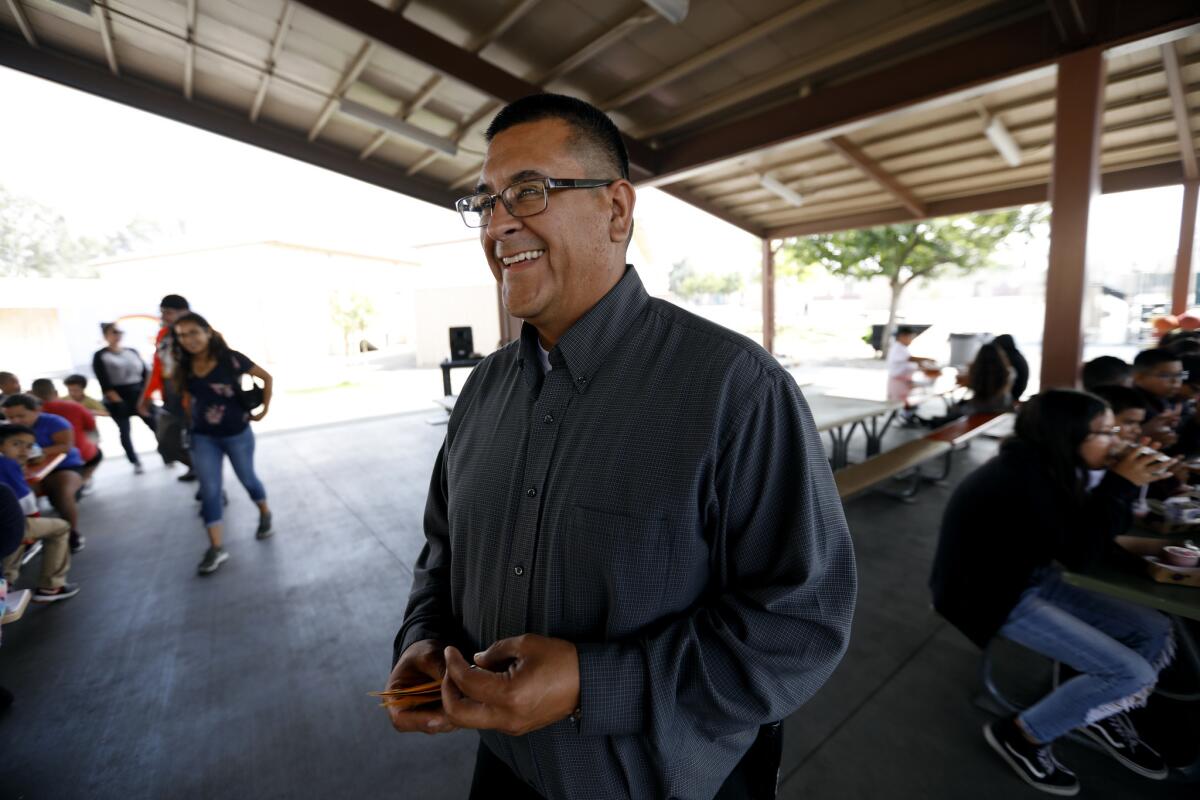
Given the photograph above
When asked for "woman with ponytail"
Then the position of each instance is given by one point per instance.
(208, 375)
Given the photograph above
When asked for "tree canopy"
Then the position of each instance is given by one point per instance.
(37, 241)
(903, 253)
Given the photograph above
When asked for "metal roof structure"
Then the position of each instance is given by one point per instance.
(778, 116)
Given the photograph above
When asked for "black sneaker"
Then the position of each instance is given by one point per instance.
(1120, 739)
(187, 477)
(1036, 764)
(213, 558)
(264, 527)
(77, 541)
(67, 591)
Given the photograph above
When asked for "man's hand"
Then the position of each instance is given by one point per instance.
(112, 396)
(524, 683)
(421, 662)
(143, 407)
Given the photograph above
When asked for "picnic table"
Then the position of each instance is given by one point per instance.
(841, 416)
(1113, 580)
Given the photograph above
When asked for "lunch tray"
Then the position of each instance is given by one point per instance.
(1148, 549)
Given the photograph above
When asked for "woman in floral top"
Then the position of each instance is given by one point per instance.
(209, 377)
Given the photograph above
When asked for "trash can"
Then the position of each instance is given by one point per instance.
(964, 346)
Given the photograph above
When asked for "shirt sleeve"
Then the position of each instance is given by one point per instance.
(241, 364)
(101, 370)
(779, 618)
(430, 611)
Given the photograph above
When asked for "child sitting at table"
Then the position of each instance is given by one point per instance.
(995, 574)
(16, 441)
(1158, 377)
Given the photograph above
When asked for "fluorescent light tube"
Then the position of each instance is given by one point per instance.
(1003, 141)
(398, 126)
(672, 10)
(774, 186)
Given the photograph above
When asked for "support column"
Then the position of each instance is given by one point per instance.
(768, 298)
(1181, 298)
(1074, 181)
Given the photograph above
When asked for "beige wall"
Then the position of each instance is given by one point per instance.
(439, 308)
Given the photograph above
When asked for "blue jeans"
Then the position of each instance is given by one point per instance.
(1119, 648)
(207, 461)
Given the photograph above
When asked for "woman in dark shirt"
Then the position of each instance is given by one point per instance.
(122, 375)
(994, 574)
(208, 375)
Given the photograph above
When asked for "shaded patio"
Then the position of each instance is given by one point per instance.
(252, 683)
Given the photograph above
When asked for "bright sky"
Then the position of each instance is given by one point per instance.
(102, 164)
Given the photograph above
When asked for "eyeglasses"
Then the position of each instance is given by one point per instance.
(1172, 376)
(522, 199)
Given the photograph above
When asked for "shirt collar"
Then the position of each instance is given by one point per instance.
(585, 346)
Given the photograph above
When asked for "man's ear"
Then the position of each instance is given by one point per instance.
(620, 222)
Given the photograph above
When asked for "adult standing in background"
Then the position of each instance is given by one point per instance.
(122, 376)
(171, 420)
(631, 527)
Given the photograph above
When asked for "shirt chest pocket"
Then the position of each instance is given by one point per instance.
(617, 571)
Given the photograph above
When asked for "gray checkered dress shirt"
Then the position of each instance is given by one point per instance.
(661, 498)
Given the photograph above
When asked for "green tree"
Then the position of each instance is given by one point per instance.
(36, 241)
(685, 282)
(351, 313)
(901, 254)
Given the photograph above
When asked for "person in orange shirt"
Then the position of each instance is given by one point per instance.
(171, 420)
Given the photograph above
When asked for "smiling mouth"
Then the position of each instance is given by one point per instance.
(522, 257)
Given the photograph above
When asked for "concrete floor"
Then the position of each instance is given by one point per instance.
(253, 683)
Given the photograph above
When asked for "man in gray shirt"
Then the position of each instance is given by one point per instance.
(631, 530)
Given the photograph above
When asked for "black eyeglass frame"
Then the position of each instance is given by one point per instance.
(461, 205)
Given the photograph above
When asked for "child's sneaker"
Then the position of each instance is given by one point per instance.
(65, 592)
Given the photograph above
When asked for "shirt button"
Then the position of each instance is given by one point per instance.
(518, 570)
(581, 379)
(548, 419)
(531, 492)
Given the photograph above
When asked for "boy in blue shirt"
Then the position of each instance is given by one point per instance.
(16, 442)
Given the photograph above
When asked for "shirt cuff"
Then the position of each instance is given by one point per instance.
(410, 634)
(612, 689)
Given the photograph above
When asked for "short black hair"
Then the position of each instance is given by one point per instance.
(26, 401)
(1183, 345)
(9, 430)
(1105, 371)
(1120, 398)
(176, 301)
(592, 126)
(76, 380)
(1149, 359)
(42, 388)
(901, 330)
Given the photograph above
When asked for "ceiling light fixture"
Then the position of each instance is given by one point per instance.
(1003, 141)
(672, 10)
(775, 187)
(399, 127)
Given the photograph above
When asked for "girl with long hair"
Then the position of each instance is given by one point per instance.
(1004, 529)
(208, 375)
(990, 379)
